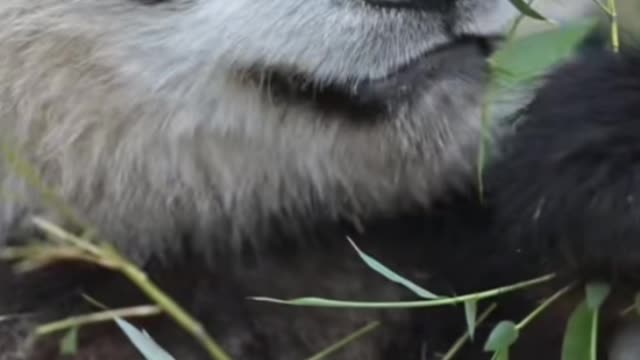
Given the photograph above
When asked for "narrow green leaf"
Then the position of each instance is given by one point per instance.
(326, 353)
(577, 336)
(470, 313)
(322, 302)
(527, 10)
(502, 337)
(597, 293)
(69, 343)
(390, 275)
(502, 355)
(143, 342)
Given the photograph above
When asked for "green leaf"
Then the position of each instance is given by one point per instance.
(577, 336)
(470, 313)
(501, 355)
(390, 275)
(527, 58)
(502, 337)
(69, 343)
(597, 293)
(143, 342)
(526, 9)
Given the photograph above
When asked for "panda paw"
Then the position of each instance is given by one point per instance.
(567, 186)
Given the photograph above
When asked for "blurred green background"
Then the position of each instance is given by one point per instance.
(565, 10)
(630, 15)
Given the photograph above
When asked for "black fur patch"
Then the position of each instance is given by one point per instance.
(568, 186)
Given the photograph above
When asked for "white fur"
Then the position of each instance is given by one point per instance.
(138, 116)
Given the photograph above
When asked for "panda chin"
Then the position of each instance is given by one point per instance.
(372, 99)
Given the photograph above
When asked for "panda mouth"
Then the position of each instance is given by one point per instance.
(374, 98)
(478, 46)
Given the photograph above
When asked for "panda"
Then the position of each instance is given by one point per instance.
(230, 149)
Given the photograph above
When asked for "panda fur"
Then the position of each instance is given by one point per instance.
(264, 208)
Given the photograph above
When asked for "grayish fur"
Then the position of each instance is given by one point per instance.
(143, 120)
(140, 118)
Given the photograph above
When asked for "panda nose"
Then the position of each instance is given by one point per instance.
(441, 6)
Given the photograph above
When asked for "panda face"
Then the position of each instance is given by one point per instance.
(218, 117)
(156, 119)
